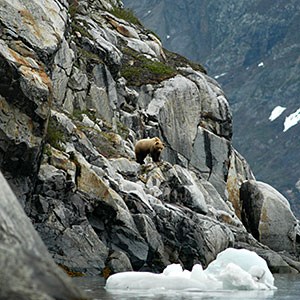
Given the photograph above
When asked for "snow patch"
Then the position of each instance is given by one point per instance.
(234, 269)
(276, 112)
(291, 120)
(221, 75)
(261, 64)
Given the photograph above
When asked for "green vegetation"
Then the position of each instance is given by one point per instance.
(73, 6)
(107, 143)
(176, 60)
(55, 135)
(47, 150)
(89, 56)
(77, 114)
(138, 69)
(123, 130)
(125, 14)
(82, 29)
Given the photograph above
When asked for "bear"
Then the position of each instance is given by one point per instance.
(153, 146)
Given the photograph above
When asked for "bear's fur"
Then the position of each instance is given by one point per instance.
(143, 147)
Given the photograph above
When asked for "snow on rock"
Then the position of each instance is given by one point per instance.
(291, 120)
(233, 269)
(221, 75)
(261, 64)
(276, 112)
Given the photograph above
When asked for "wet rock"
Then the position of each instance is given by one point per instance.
(80, 249)
(117, 262)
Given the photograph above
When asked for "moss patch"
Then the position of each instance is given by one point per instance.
(175, 60)
(138, 69)
(78, 114)
(73, 6)
(125, 14)
(55, 135)
(106, 142)
(81, 28)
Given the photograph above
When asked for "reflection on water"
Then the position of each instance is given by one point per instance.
(288, 289)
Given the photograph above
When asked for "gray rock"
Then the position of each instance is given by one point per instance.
(82, 250)
(63, 62)
(192, 195)
(26, 260)
(210, 157)
(238, 172)
(117, 262)
(125, 167)
(267, 215)
(148, 231)
(42, 30)
(96, 209)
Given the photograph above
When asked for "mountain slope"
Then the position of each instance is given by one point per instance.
(252, 49)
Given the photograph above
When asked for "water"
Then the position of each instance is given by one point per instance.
(288, 289)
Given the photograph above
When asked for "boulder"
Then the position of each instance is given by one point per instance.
(267, 215)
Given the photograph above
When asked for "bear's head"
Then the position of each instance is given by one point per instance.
(158, 146)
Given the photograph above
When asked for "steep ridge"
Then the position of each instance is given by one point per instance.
(252, 49)
(81, 82)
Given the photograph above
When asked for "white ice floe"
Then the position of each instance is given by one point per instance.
(291, 120)
(233, 269)
(276, 112)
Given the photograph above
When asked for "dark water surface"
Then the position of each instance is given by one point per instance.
(288, 289)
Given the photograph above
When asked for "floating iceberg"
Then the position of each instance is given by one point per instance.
(233, 269)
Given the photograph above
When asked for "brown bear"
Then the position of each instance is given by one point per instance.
(143, 147)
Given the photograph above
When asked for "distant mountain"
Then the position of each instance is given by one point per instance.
(253, 49)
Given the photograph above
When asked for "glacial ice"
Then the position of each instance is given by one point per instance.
(233, 269)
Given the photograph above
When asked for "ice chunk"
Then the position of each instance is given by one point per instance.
(234, 269)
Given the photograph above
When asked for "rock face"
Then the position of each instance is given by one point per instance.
(267, 215)
(251, 47)
(103, 83)
(27, 270)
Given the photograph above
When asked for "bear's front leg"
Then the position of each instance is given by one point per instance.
(155, 157)
(140, 159)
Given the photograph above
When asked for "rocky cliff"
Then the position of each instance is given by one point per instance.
(81, 82)
(252, 48)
